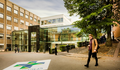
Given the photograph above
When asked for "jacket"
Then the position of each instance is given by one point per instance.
(94, 45)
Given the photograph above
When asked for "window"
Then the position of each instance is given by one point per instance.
(21, 28)
(1, 36)
(9, 8)
(39, 21)
(1, 26)
(8, 37)
(27, 23)
(9, 27)
(9, 18)
(21, 22)
(31, 18)
(26, 16)
(35, 19)
(1, 5)
(1, 15)
(21, 14)
(15, 28)
(31, 24)
(15, 11)
(15, 20)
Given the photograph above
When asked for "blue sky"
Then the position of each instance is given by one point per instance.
(44, 8)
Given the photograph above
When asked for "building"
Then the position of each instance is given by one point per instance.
(53, 30)
(23, 29)
(13, 17)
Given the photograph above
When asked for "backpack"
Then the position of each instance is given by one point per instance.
(97, 46)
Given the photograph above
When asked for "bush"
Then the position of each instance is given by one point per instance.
(79, 44)
(52, 51)
(62, 47)
(72, 46)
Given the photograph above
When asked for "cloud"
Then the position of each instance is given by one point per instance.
(44, 8)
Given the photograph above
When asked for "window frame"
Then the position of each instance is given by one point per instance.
(21, 13)
(14, 28)
(27, 23)
(8, 19)
(3, 36)
(3, 26)
(10, 8)
(15, 10)
(31, 17)
(26, 16)
(14, 20)
(9, 26)
(22, 22)
(2, 4)
(3, 15)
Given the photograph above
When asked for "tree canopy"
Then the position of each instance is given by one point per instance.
(95, 14)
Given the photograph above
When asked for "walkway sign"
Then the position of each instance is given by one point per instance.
(30, 65)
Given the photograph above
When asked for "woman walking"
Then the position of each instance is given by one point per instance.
(92, 50)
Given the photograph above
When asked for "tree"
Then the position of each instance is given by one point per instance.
(96, 16)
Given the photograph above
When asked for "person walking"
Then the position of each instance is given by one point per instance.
(18, 49)
(67, 48)
(92, 50)
(15, 49)
(56, 49)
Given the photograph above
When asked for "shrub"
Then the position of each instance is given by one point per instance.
(62, 47)
(79, 44)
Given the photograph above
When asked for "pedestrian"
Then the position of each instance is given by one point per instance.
(67, 48)
(18, 49)
(92, 50)
(56, 49)
(15, 49)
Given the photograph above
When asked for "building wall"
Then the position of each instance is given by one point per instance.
(12, 20)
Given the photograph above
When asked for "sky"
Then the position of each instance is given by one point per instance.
(45, 8)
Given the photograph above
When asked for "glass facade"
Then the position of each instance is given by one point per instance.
(20, 39)
(48, 36)
(52, 21)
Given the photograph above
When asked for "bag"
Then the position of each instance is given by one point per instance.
(97, 46)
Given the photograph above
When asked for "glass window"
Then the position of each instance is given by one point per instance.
(15, 20)
(9, 18)
(21, 28)
(15, 11)
(35, 19)
(21, 14)
(9, 8)
(26, 16)
(1, 15)
(31, 24)
(61, 19)
(9, 27)
(1, 5)
(8, 37)
(1, 25)
(27, 23)
(1, 36)
(21, 22)
(15, 28)
(31, 18)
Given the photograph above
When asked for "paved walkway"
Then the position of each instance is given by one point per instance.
(117, 50)
(63, 61)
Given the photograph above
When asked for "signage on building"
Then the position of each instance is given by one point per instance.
(30, 65)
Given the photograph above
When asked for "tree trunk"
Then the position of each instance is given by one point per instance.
(109, 41)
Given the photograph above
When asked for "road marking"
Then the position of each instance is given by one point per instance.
(30, 65)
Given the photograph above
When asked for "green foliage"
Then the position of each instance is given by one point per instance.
(79, 44)
(62, 47)
(95, 14)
